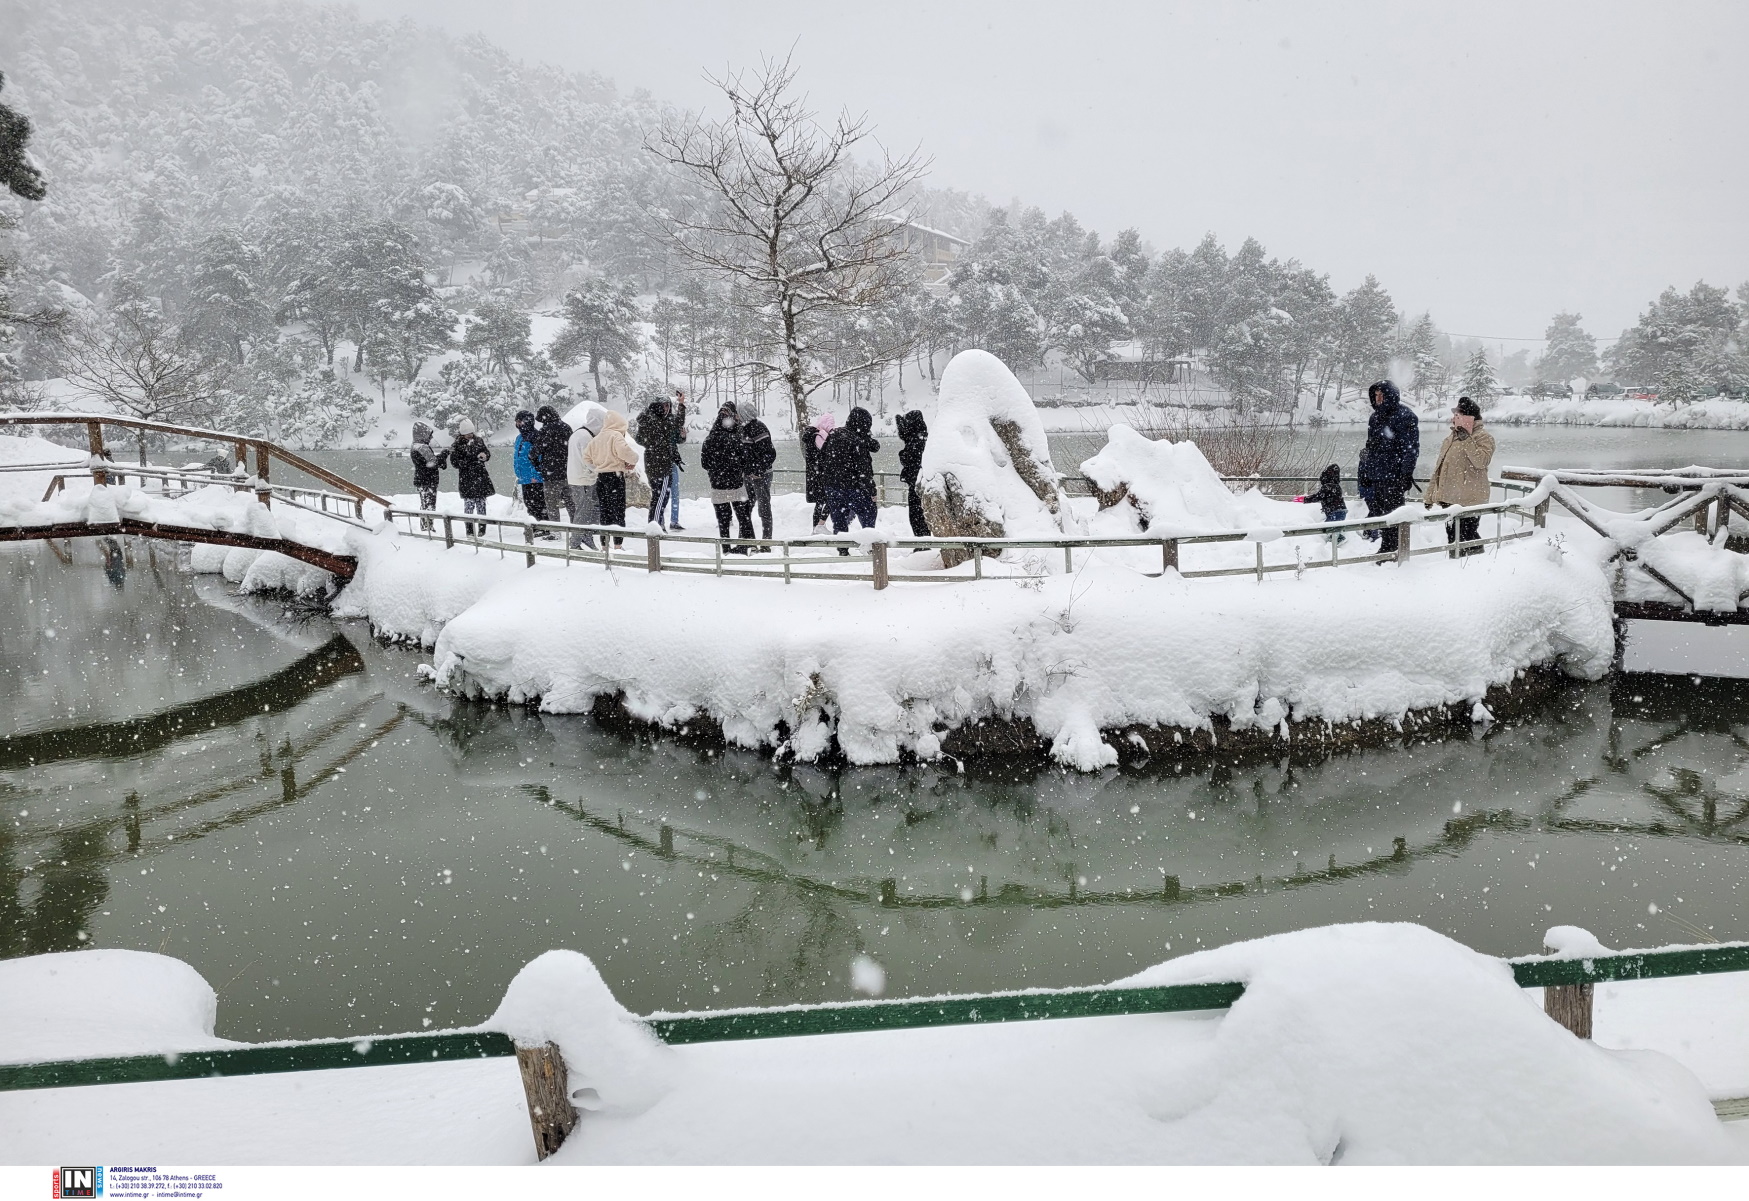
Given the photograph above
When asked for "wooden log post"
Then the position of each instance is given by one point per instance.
(448, 531)
(263, 490)
(878, 552)
(1168, 555)
(242, 451)
(1540, 515)
(546, 1085)
(1404, 542)
(652, 552)
(1569, 1004)
(94, 435)
(528, 537)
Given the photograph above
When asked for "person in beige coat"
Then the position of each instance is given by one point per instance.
(1460, 475)
(611, 455)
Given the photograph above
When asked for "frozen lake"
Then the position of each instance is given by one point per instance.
(339, 849)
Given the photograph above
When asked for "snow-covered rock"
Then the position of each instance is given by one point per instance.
(1170, 485)
(987, 465)
(74, 1004)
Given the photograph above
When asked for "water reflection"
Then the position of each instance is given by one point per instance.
(339, 849)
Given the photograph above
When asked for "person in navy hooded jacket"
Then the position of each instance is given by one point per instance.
(1387, 461)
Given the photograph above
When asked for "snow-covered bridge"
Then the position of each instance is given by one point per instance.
(239, 509)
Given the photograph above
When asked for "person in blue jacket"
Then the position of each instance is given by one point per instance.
(1387, 461)
(528, 476)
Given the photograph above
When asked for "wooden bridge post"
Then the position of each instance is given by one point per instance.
(1540, 515)
(878, 551)
(652, 552)
(448, 531)
(263, 491)
(546, 1085)
(1404, 542)
(94, 435)
(528, 537)
(1168, 555)
(1569, 1004)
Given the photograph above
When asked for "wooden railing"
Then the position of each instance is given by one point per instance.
(818, 557)
(1567, 981)
(265, 451)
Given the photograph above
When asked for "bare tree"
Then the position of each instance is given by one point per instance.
(802, 232)
(133, 361)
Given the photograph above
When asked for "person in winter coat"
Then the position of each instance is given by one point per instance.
(552, 447)
(610, 452)
(1460, 475)
(758, 456)
(813, 438)
(528, 477)
(1329, 497)
(847, 473)
(468, 454)
(725, 465)
(1387, 461)
(427, 463)
(661, 430)
(581, 478)
(914, 434)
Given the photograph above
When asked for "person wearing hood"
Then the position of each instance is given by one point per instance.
(813, 438)
(661, 430)
(611, 454)
(581, 478)
(468, 454)
(552, 447)
(1387, 461)
(529, 480)
(847, 473)
(914, 435)
(1330, 498)
(758, 456)
(1460, 475)
(724, 465)
(427, 463)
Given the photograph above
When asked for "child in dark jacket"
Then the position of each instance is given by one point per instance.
(1329, 496)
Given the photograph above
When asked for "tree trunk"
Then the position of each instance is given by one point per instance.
(600, 388)
(793, 371)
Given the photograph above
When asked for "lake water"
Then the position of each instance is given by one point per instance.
(276, 798)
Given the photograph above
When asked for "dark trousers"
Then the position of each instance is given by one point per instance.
(1464, 529)
(610, 498)
(919, 523)
(475, 504)
(664, 493)
(1383, 499)
(534, 499)
(743, 511)
(759, 496)
(427, 500)
(845, 503)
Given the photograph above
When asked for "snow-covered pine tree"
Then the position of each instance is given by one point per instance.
(602, 328)
(1570, 351)
(1479, 382)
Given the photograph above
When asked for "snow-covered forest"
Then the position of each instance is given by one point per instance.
(280, 218)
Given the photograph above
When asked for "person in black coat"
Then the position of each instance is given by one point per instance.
(552, 449)
(846, 471)
(428, 462)
(914, 434)
(661, 430)
(724, 461)
(758, 456)
(1329, 497)
(813, 437)
(1387, 461)
(469, 454)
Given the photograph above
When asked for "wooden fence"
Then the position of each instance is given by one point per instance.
(1567, 982)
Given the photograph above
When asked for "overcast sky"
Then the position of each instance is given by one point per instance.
(1492, 163)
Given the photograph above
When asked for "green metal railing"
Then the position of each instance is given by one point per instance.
(834, 1018)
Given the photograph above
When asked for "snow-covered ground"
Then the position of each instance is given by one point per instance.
(1352, 1044)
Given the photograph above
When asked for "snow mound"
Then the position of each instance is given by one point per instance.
(1382, 1043)
(81, 1004)
(614, 1063)
(987, 465)
(1170, 484)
